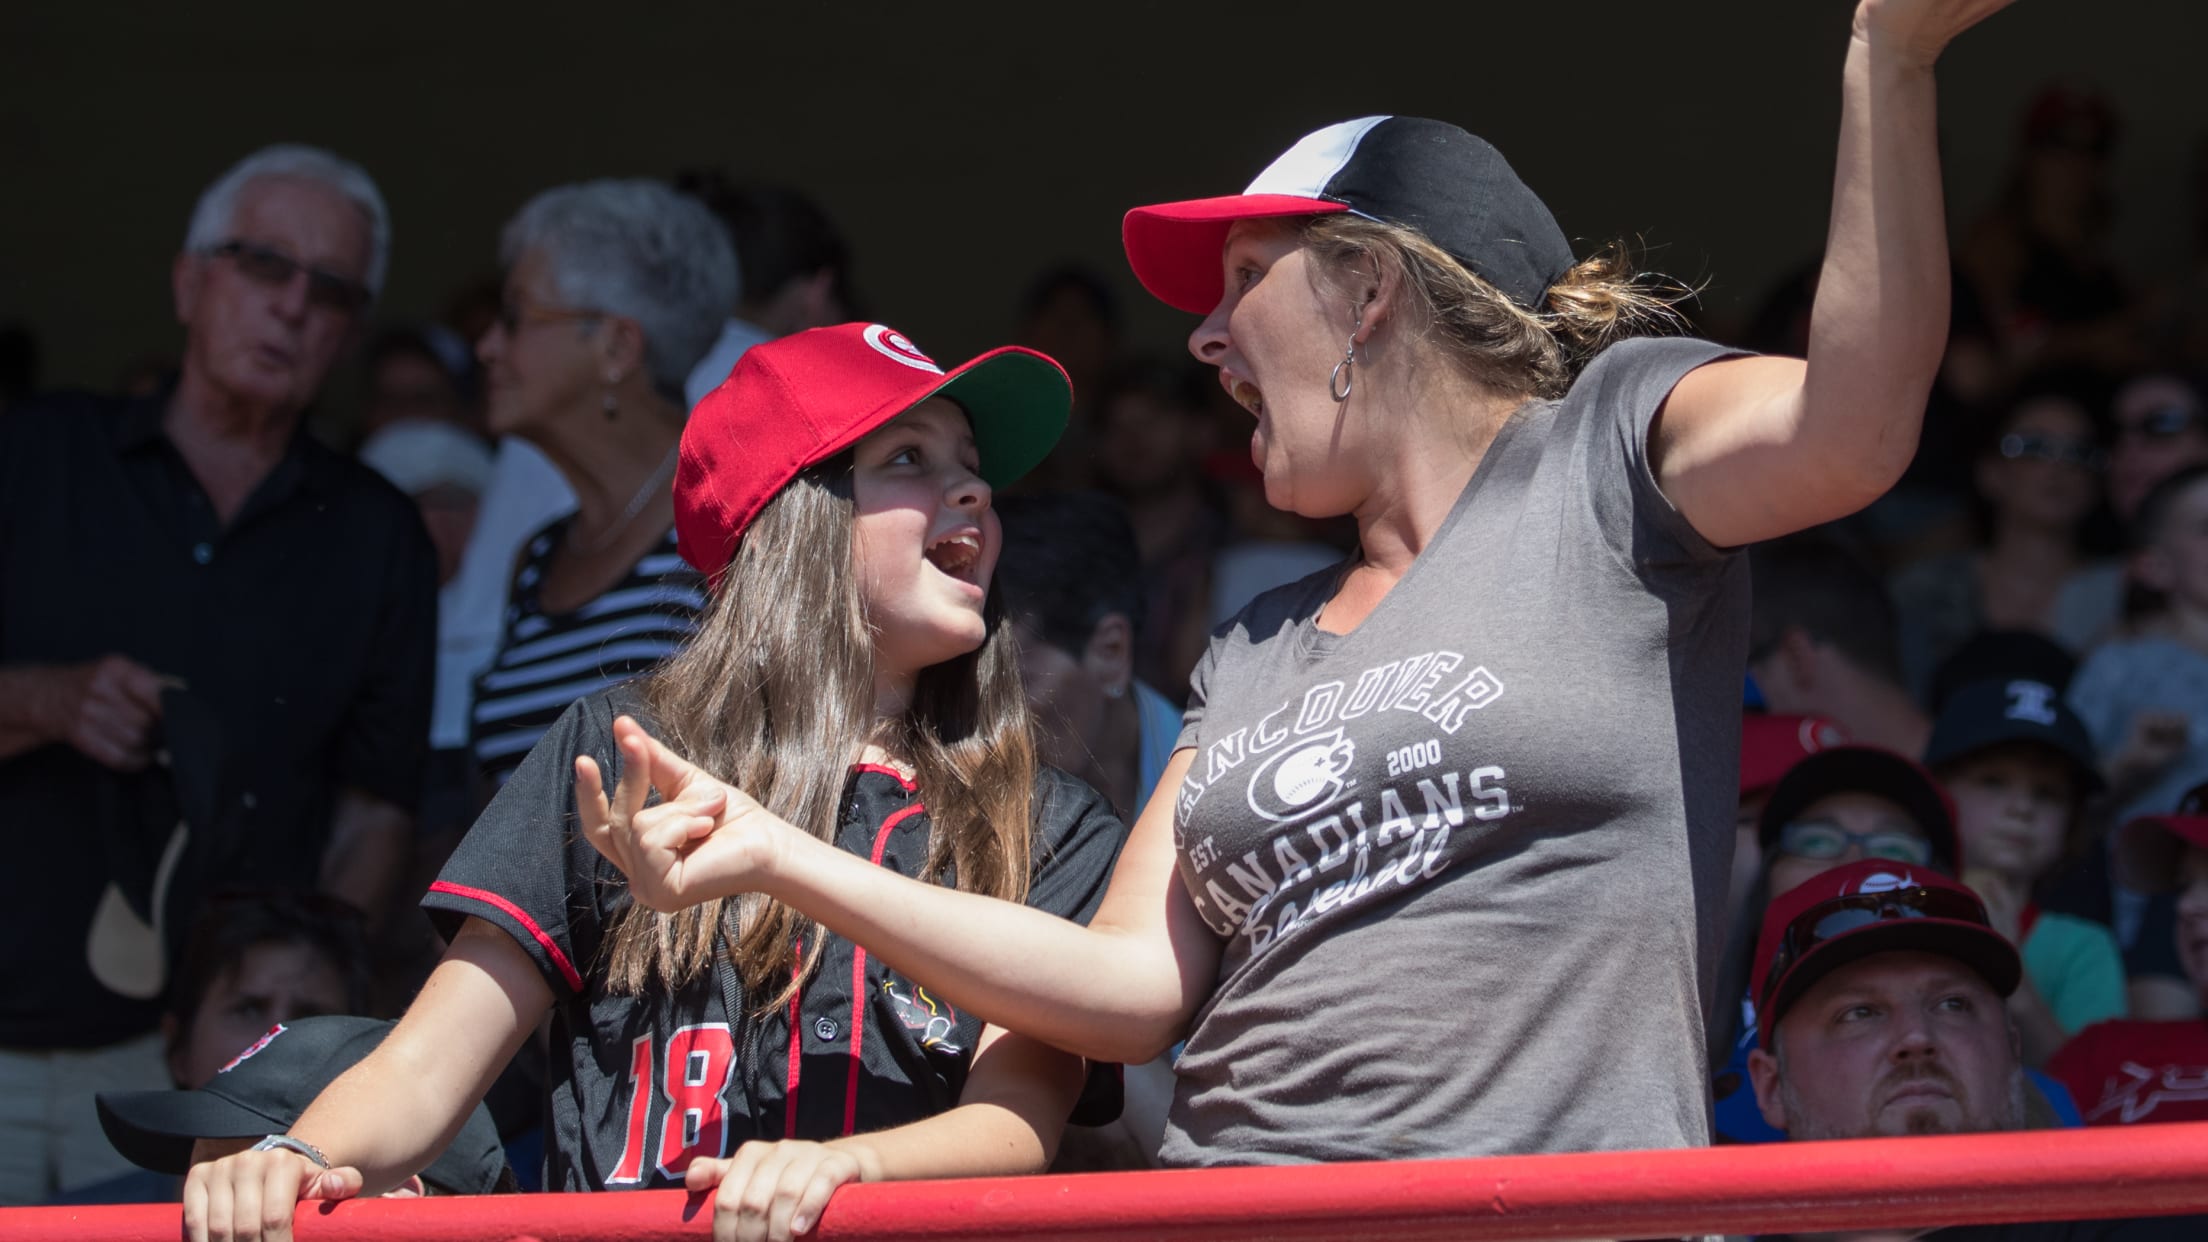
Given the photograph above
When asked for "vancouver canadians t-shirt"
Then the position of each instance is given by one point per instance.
(1469, 859)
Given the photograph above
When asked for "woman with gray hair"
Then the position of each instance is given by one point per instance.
(614, 290)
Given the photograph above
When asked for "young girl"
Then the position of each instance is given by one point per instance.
(853, 672)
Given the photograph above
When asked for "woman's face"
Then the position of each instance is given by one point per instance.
(540, 358)
(2176, 563)
(1275, 338)
(2012, 808)
(925, 541)
(2040, 473)
(1865, 818)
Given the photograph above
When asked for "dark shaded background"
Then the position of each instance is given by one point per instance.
(965, 147)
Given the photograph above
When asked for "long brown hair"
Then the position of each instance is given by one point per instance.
(775, 695)
(1599, 301)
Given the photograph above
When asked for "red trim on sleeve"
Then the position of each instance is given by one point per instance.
(521, 916)
(797, 1052)
(889, 772)
(858, 976)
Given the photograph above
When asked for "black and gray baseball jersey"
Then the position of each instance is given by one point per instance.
(639, 1086)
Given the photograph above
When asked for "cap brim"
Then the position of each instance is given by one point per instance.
(1174, 247)
(1981, 948)
(1018, 402)
(156, 1129)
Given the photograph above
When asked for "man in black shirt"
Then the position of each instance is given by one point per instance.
(215, 649)
(1881, 989)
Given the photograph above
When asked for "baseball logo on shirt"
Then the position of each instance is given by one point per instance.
(1303, 779)
(892, 345)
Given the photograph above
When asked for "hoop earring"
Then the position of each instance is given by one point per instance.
(1342, 379)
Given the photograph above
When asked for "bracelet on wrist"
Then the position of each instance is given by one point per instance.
(284, 1142)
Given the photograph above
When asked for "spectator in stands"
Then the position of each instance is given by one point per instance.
(256, 959)
(2145, 697)
(444, 468)
(1840, 805)
(2133, 1071)
(2039, 259)
(2019, 766)
(1070, 312)
(1072, 586)
(2037, 478)
(2156, 428)
(1770, 746)
(614, 290)
(1883, 988)
(1822, 641)
(260, 1090)
(1147, 449)
(420, 373)
(795, 270)
(250, 710)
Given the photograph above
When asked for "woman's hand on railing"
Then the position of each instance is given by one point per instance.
(772, 1192)
(250, 1196)
(704, 839)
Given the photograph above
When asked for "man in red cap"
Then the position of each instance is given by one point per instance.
(1769, 746)
(2128, 1071)
(1881, 986)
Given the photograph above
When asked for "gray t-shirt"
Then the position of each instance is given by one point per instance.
(1469, 860)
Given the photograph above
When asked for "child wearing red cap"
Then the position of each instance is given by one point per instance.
(2129, 1071)
(855, 675)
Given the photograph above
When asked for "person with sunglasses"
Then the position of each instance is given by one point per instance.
(2037, 478)
(216, 639)
(1883, 991)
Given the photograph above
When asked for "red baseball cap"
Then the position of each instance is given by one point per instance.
(799, 400)
(1422, 174)
(2151, 846)
(1861, 908)
(1769, 745)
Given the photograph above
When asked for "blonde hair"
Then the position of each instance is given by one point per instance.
(1599, 301)
(775, 695)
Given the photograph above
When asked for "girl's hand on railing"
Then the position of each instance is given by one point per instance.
(250, 1196)
(772, 1192)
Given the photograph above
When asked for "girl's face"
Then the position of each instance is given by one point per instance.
(2041, 472)
(1275, 337)
(2012, 807)
(2177, 561)
(925, 540)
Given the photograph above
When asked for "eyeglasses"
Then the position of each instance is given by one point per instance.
(2081, 454)
(275, 269)
(1829, 920)
(2159, 423)
(1821, 840)
(514, 315)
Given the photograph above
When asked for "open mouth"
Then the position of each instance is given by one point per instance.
(957, 555)
(1245, 394)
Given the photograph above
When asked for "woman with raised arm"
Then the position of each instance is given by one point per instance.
(1440, 866)
(855, 670)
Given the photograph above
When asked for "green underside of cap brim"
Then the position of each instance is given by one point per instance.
(1018, 405)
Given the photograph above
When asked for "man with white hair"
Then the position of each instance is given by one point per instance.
(215, 650)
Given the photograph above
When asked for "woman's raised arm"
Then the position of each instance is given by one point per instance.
(1754, 448)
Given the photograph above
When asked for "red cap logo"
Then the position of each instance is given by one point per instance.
(894, 346)
(257, 1045)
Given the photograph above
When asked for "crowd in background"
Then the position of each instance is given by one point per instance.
(1997, 673)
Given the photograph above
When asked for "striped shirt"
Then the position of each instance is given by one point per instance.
(548, 660)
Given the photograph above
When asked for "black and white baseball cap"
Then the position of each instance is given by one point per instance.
(1991, 713)
(1425, 175)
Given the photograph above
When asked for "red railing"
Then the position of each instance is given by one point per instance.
(2149, 1170)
